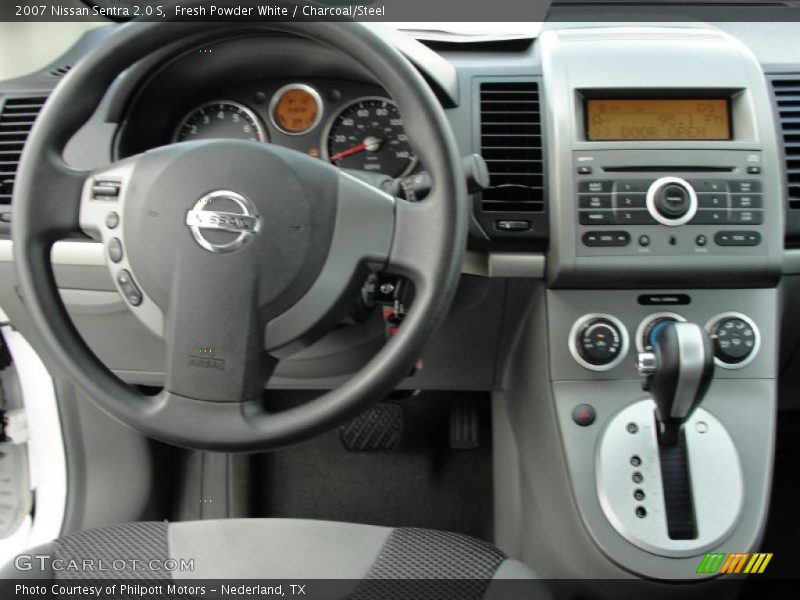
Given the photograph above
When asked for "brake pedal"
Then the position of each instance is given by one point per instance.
(378, 429)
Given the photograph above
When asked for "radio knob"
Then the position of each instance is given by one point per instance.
(671, 201)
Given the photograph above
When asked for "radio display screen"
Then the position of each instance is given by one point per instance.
(666, 119)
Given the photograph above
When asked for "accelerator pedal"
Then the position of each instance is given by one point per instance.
(378, 429)
(464, 425)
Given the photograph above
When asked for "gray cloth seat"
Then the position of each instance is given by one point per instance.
(365, 560)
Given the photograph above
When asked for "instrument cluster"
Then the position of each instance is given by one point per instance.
(351, 127)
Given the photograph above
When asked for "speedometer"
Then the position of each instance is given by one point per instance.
(368, 135)
(221, 120)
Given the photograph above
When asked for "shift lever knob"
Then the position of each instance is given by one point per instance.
(679, 372)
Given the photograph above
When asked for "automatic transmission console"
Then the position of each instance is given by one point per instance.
(663, 462)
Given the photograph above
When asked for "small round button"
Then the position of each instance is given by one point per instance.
(644, 241)
(115, 250)
(701, 240)
(112, 220)
(584, 414)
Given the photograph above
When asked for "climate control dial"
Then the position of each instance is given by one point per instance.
(651, 326)
(598, 342)
(736, 340)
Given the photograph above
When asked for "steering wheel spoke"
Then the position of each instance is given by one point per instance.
(215, 341)
(59, 188)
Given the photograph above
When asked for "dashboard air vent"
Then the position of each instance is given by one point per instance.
(787, 97)
(16, 120)
(511, 145)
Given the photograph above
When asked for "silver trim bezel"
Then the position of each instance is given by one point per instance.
(573, 334)
(273, 103)
(651, 201)
(260, 127)
(709, 327)
(323, 146)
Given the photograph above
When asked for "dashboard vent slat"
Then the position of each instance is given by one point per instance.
(511, 145)
(17, 116)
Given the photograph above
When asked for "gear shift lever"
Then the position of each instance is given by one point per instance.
(679, 372)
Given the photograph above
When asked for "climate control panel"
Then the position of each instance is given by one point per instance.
(599, 341)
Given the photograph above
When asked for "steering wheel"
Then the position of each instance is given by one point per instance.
(235, 252)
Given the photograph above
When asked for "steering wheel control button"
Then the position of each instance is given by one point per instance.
(129, 289)
(106, 190)
(606, 238)
(115, 250)
(736, 340)
(598, 342)
(584, 414)
(672, 201)
(112, 220)
(737, 238)
(223, 221)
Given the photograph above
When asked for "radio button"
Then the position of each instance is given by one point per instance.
(712, 200)
(737, 238)
(631, 200)
(597, 217)
(746, 201)
(633, 186)
(709, 185)
(606, 238)
(594, 200)
(635, 217)
(746, 217)
(595, 187)
(748, 186)
(710, 217)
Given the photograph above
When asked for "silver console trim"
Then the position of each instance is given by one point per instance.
(715, 474)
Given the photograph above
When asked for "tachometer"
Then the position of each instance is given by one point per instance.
(221, 120)
(368, 134)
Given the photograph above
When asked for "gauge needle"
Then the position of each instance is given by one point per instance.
(370, 143)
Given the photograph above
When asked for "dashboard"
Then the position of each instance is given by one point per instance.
(639, 174)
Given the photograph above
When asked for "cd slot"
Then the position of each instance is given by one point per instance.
(669, 169)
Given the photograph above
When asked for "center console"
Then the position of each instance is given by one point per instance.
(666, 216)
